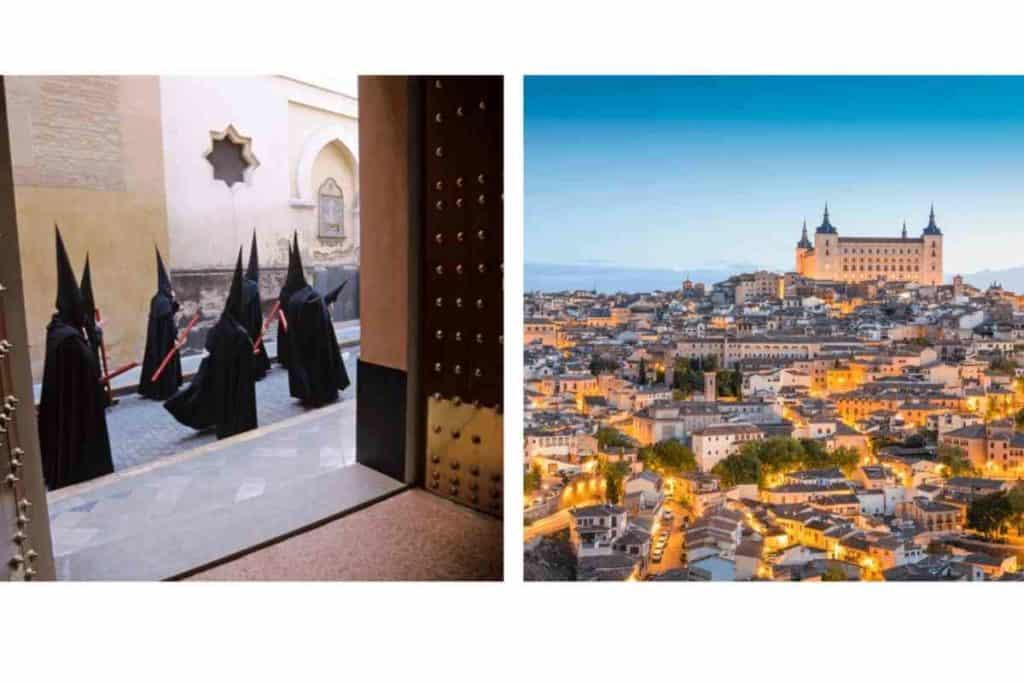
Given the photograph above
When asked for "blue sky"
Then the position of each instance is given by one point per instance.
(687, 172)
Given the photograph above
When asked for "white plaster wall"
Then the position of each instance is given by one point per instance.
(207, 220)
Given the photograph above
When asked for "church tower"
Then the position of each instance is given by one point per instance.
(804, 254)
(826, 249)
(931, 256)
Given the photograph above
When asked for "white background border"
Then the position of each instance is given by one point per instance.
(359, 632)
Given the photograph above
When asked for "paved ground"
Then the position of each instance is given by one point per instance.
(413, 536)
(671, 558)
(158, 520)
(142, 431)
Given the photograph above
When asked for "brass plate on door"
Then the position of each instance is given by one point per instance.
(464, 454)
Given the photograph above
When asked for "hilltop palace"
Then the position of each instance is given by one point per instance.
(858, 259)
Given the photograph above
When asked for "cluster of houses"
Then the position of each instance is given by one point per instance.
(819, 525)
(894, 371)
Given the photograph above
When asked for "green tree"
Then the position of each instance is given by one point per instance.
(1016, 498)
(954, 461)
(670, 457)
(846, 459)
(742, 467)
(532, 479)
(609, 437)
(990, 515)
(614, 473)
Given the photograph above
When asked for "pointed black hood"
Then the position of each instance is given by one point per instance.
(253, 271)
(296, 277)
(163, 281)
(88, 300)
(69, 304)
(233, 306)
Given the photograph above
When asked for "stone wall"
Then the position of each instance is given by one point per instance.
(87, 154)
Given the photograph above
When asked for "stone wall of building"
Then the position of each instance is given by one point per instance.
(87, 154)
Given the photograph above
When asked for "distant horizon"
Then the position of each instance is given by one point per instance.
(570, 277)
(694, 172)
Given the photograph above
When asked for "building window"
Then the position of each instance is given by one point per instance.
(230, 156)
(331, 202)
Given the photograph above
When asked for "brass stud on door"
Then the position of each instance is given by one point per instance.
(458, 369)
(437, 367)
(481, 234)
(439, 270)
(439, 238)
(480, 178)
(458, 302)
(481, 200)
(439, 205)
(480, 304)
(458, 269)
(458, 336)
(460, 236)
(478, 373)
(439, 302)
(479, 337)
(481, 269)
(438, 118)
(476, 441)
(439, 185)
(459, 111)
(482, 105)
(437, 83)
(439, 152)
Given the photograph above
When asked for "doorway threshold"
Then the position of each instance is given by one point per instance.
(172, 517)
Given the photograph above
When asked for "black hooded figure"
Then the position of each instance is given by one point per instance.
(93, 332)
(254, 309)
(292, 283)
(316, 372)
(72, 417)
(161, 334)
(223, 391)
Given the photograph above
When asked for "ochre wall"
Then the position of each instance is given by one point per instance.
(384, 181)
(87, 154)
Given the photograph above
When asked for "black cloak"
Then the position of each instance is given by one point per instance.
(222, 393)
(93, 332)
(254, 310)
(161, 334)
(72, 417)
(316, 372)
(294, 281)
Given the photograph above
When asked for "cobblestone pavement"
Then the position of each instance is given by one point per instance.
(142, 431)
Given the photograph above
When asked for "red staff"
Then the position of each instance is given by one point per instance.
(120, 371)
(274, 312)
(174, 349)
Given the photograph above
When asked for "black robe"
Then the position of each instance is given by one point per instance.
(254, 325)
(161, 333)
(282, 332)
(72, 418)
(316, 372)
(223, 392)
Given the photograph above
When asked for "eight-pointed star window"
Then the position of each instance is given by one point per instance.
(231, 156)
